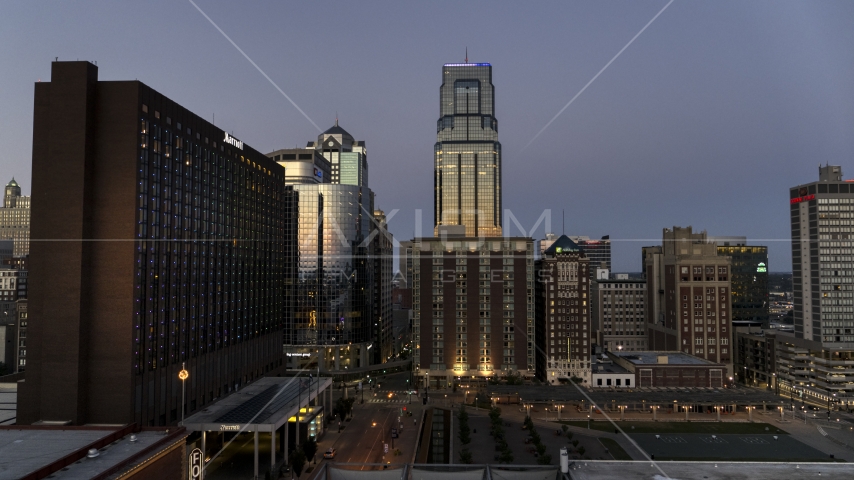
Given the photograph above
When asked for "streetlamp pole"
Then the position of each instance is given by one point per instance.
(183, 375)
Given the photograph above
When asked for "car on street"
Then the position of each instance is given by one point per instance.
(330, 453)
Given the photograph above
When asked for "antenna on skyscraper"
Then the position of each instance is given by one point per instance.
(467, 54)
(563, 213)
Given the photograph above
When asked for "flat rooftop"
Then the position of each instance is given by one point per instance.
(651, 358)
(602, 470)
(26, 449)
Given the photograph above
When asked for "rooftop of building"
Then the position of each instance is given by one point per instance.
(601, 470)
(605, 366)
(562, 245)
(468, 65)
(12, 183)
(30, 449)
(652, 358)
(336, 130)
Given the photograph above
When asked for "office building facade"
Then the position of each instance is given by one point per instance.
(334, 307)
(688, 301)
(823, 259)
(15, 219)
(564, 334)
(200, 286)
(818, 361)
(467, 155)
(473, 308)
(620, 314)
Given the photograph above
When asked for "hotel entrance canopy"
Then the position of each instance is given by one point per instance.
(262, 406)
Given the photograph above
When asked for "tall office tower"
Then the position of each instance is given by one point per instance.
(749, 279)
(688, 296)
(563, 330)
(473, 307)
(15, 219)
(467, 155)
(334, 293)
(822, 253)
(347, 157)
(812, 363)
(197, 278)
(382, 247)
(619, 314)
(598, 252)
(343, 291)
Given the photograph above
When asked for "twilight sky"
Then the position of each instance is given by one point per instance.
(705, 120)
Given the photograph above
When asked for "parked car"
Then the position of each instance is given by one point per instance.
(330, 453)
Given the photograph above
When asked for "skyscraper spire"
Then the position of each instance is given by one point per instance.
(467, 54)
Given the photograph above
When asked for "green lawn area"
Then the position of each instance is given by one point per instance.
(683, 427)
(615, 449)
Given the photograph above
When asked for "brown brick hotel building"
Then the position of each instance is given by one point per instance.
(158, 240)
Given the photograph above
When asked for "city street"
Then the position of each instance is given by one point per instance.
(360, 441)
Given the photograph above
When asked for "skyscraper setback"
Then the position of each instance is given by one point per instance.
(467, 156)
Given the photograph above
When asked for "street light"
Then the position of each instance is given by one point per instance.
(183, 375)
(588, 422)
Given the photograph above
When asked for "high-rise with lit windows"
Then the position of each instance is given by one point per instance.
(163, 243)
(467, 155)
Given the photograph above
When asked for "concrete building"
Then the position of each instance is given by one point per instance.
(823, 259)
(755, 361)
(564, 334)
(303, 165)
(688, 300)
(819, 361)
(200, 286)
(15, 219)
(473, 307)
(670, 369)
(619, 313)
(606, 374)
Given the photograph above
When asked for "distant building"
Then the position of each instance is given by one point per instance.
(15, 219)
(749, 266)
(564, 334)
(688, 300)
(347, 157)
(598, 252)
(473, 308)
(620, 315)
(671, 369)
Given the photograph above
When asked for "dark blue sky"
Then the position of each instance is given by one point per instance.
(705, 120)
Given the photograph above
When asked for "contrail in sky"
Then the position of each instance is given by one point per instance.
(595, 76)
(257, 67)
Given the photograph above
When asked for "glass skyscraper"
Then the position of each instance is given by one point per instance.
(467, 155)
